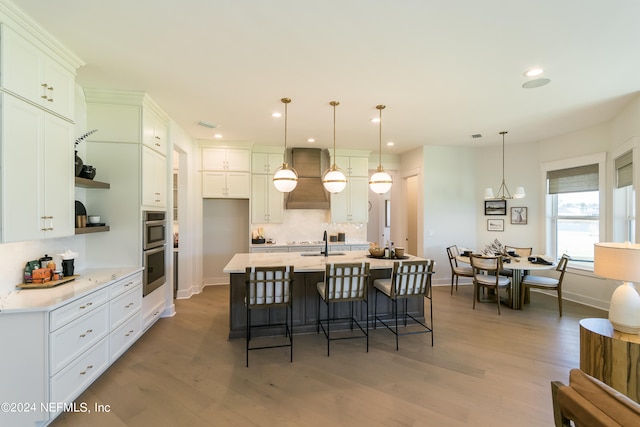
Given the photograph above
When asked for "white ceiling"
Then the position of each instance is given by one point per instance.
(445, 69)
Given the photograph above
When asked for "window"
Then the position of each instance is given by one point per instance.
(624, 215)
(574, 221)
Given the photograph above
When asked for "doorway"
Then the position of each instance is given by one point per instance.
(411, 213)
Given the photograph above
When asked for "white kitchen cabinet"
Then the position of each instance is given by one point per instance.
(267, 203)
(352, 204)
(231, 185)
(353, 166)
(154, 131)
(268, 249)
(33, 74)
(266, 163)
(226, 159)
(154, 173)
(64, 338)
(37, 151)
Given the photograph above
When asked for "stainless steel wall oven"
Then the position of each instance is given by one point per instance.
(154, 246)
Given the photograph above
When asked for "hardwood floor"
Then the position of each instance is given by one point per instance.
(484, 370)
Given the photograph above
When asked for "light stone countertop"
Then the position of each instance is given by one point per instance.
(240, 262)
(21, 300)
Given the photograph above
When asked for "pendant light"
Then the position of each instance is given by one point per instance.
(503, 191)
(333, 179)
(285, 178)
(380, 181)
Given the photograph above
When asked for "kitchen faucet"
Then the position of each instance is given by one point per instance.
(326, 244)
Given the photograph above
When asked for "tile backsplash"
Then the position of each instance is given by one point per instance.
(309, 225)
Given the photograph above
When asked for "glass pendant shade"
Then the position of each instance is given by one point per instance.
(334, 180)
(380, 182)
(285, 179)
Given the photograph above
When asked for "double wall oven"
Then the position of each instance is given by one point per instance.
(154, 245)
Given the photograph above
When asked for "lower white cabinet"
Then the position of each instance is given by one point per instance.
(53, 354)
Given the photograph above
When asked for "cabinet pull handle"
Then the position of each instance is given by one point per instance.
(128, 333)
(86, 333)
(128, 305)
(128, 284)
(44, 85)
(86, 369)
(82, 307)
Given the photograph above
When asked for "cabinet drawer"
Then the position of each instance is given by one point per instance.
(125, 284)
(65, 314)
(72, 380)
(69, 342)
(122, 307)
(122, 338)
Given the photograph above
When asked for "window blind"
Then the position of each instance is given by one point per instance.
(572, 180)
(624, 170)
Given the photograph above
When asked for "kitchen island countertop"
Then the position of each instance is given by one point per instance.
(305, 263)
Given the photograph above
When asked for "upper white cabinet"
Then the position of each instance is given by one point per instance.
(267, 203)
(37, 152)
(36, 75)
(226, 159)
(353, 166)
(266, 162)
(124, 117)
(154, 169)
(352, 204)
(154, 132)
(226, 172)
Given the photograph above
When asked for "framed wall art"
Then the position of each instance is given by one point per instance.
(495, 207)
(519, 215)
(495, 225)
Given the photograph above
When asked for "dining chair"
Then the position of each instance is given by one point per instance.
(270, 287)
(486, 274)
(410, 279)
(344, 282)
(548, 283)
(456, 270)
(520, 252)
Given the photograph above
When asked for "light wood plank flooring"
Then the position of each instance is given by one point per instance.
(484, 370)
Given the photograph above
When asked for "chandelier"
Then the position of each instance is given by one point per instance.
(503, 191)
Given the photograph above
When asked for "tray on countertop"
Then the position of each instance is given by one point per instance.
(49, 284)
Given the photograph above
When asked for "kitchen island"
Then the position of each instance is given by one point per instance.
(309, 270)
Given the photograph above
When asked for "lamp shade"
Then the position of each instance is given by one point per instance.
(380, 182)
(621, 261)
(334, 180)
(488, 193)
(285, 179)
(519, 194)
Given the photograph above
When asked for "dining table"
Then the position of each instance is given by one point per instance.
(520, 266)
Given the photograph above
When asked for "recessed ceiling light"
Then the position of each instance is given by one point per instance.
(310, 140)
(276, 115)
(390, 144)
(532, 84)
(207, 124)
(533, 72)
(217, 135)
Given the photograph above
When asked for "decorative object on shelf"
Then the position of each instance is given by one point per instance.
(519, 215)
(620, 261)
(503, 191)
(78, 161)
(333, 179)
(285, 179)
(88, 172)
(257, 236)
(380, 182)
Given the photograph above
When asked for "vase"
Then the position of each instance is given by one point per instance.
(79, 164)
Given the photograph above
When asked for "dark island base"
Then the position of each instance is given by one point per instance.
(305, 307)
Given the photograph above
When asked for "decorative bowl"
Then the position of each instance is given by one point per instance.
(378, 252)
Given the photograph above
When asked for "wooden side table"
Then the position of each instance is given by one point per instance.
(611, 356)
